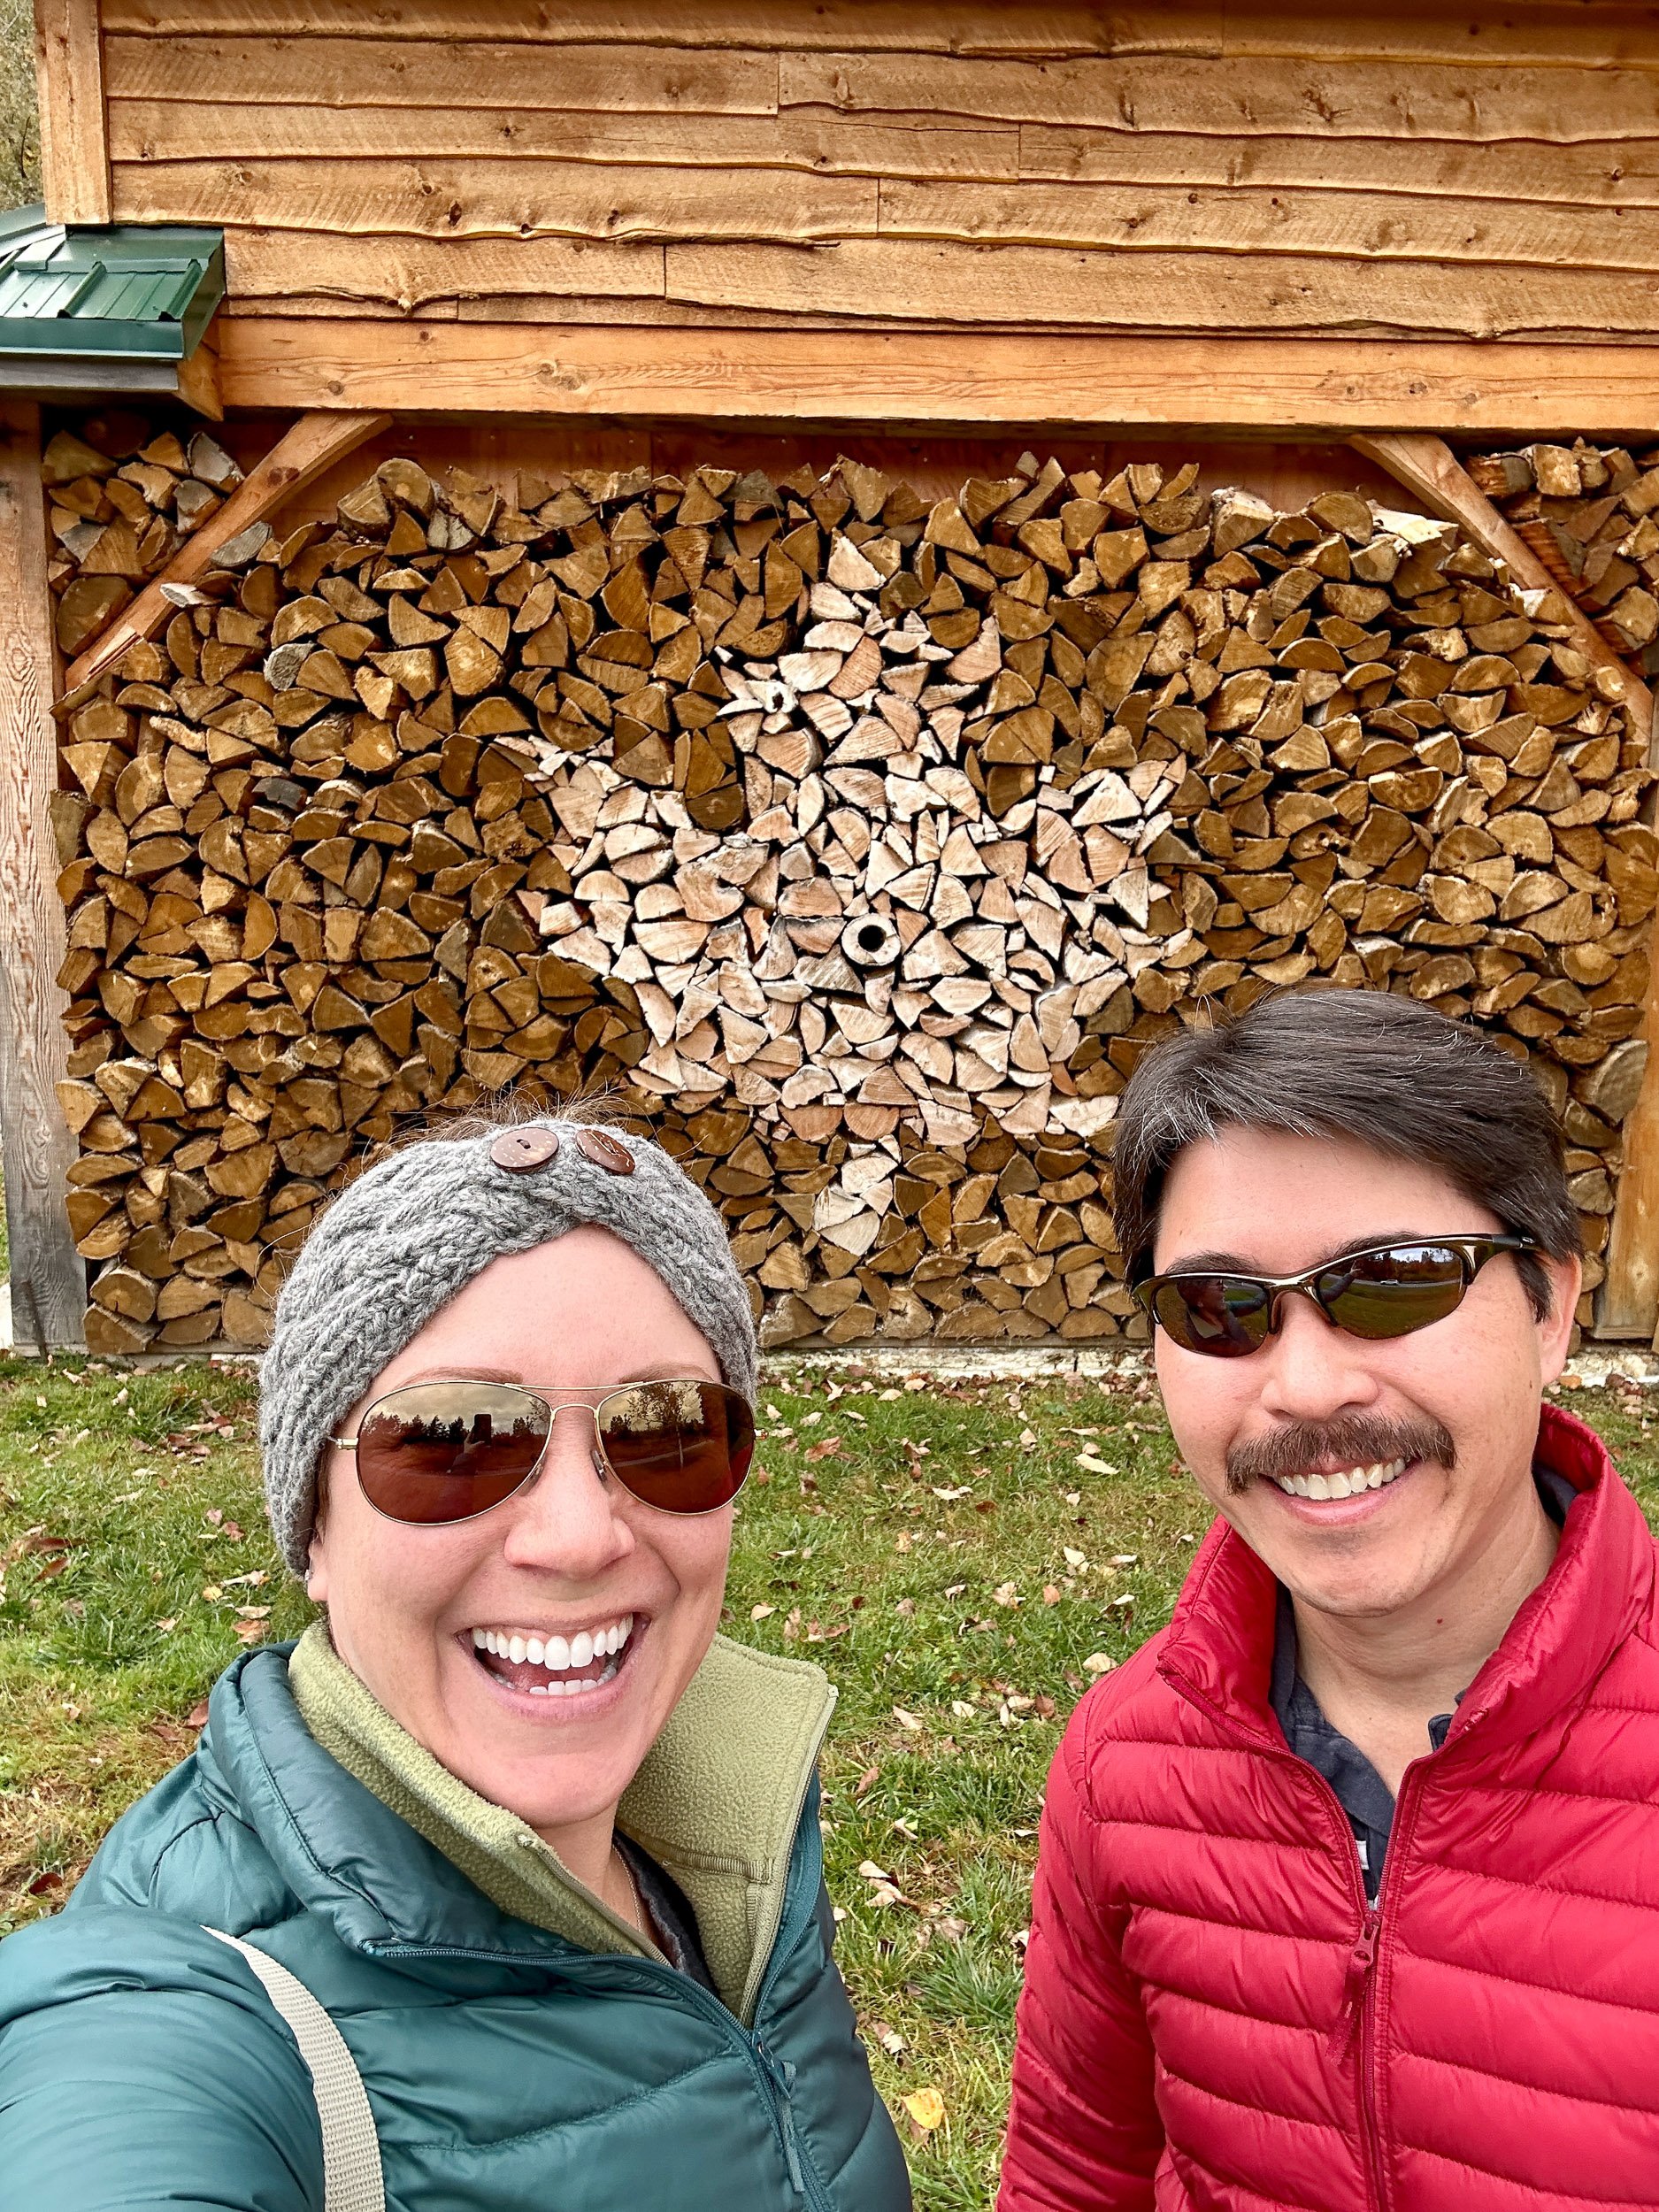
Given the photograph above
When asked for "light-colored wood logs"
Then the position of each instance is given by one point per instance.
(299, 456)
(867, 839)
(1289, 387)
(74, 124)
(47, 1279)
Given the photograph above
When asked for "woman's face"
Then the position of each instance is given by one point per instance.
(572, 1556)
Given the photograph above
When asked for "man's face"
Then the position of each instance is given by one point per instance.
(1257, 1202)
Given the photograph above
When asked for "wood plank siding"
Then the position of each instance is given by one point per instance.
(1410, 173)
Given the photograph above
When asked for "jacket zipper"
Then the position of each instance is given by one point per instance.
(774, 2077)
(1355, 2018)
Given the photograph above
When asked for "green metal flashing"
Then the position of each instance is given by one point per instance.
(124, 292)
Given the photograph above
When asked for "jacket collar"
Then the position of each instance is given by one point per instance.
(1218, 1650)
(368, 1838)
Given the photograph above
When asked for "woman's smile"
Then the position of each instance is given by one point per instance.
(549, 1665)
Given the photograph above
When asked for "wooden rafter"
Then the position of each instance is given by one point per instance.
(314, 443)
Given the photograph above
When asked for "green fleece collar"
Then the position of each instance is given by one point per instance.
(717, 1803)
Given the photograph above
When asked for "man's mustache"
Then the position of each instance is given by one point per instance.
(1352, 1439)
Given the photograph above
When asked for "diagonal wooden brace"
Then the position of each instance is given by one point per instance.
(303, 452)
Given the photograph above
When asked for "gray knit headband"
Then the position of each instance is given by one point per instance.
(411, 1232)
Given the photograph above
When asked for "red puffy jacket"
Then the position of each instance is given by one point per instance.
(1211, 2017)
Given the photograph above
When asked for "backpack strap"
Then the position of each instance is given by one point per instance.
(352, 2180)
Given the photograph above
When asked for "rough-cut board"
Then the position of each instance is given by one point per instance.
(69, 69)
(352, 72)
(1196, 171)
(1552, 31)
(814, 140)
(48, 1280)
(1164, 290)
(461, 198)
(314, 443)
(781, 375)
(1337, 96)
(266, 268)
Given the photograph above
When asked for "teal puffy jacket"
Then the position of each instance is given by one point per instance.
(143, 2065)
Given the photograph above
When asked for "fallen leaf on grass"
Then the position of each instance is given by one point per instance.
(891, 2041)
(827, 1448)
(911, 1721)
(250, 1631)
(1094, 1465)
(44, 1883)
(1005, 1593)
(866, 1781)
(761, 1612)
(926, 2108)
(196, 1717)
(1050, 1594)
(1098, 1662)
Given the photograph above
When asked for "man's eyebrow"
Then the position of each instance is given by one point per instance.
(1230, 1263)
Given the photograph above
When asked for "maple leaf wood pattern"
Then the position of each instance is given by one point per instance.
(865, 842)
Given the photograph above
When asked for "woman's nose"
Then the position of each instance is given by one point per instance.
(567, 1522)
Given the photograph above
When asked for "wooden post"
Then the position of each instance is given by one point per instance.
(74, 122)
(49, 1294)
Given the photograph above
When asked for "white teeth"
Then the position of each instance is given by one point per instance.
(557, 1656)
(1345, 1483)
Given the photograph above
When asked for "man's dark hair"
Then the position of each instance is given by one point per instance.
(1370, 1066)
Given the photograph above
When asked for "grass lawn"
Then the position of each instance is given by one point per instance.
(962, 1557)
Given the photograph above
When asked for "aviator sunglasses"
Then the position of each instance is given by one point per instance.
(1385, 1290)
(435, 1453)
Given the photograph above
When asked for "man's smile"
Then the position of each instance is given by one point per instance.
(1341, 1482)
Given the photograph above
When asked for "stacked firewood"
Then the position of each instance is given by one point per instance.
(863, 845)
(122, 498)
(1592, 515)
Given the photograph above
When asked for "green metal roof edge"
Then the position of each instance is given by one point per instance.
(111, 292)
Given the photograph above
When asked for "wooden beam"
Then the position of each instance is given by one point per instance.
(74, 121)
(198, 380)
(1429, 467)
(48, 1291)
(314, 443)
(966, 379)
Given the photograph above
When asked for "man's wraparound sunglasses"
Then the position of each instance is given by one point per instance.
(438, 1452)
(1382, 1291)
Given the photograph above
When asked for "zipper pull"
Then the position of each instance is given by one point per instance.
(781, 2073)
(1361, 1958)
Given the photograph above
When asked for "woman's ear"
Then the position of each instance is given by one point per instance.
(316, 1559)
